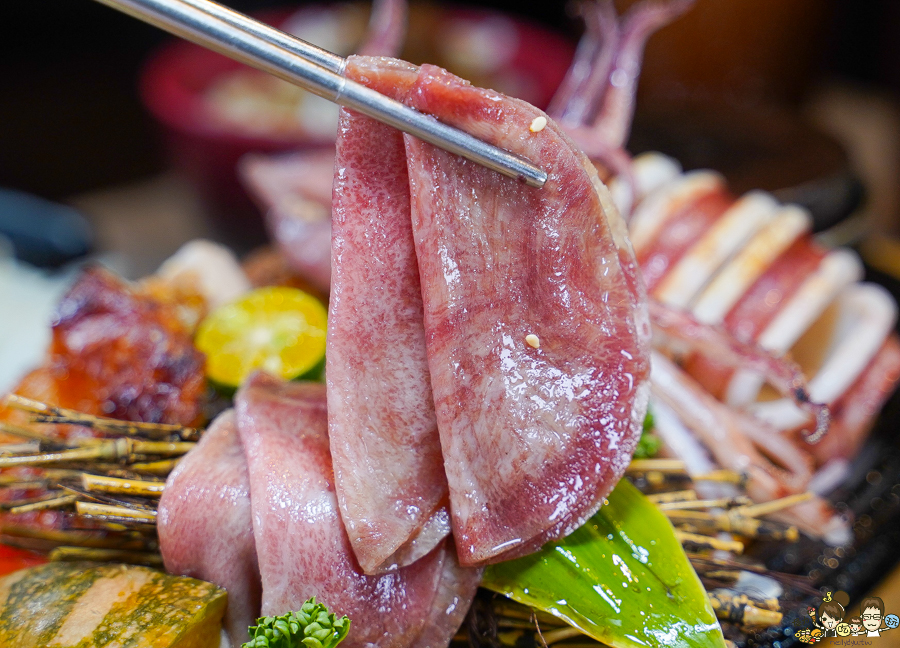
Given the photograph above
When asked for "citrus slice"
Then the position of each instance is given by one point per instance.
(280, 330)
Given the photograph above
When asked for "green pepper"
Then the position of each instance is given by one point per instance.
(622, 578)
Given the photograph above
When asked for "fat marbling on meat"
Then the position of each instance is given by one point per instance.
(301, 543)
(536, 326)
(204, 524)
(384, 441)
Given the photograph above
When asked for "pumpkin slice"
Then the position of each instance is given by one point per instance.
(83, 605)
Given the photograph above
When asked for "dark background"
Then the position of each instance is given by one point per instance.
(71, 120)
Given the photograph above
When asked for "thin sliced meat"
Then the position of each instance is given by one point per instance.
(388, 466)
(301, 543)
(534, 435)
(216, 547)
(452, 599)
(294, 191)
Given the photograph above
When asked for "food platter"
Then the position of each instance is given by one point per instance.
(719, 486)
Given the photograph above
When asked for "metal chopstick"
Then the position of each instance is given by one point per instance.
(296, 61)
(312, 53)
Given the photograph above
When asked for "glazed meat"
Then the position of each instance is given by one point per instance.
(121, 353)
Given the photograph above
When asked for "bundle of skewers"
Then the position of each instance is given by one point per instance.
(105, 490)
(715, 534)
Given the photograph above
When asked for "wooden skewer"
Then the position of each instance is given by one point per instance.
(743, 610)
(722, 574)
(509, 608)
(25, 433)
(560, 634)
(103, 484)
(15, 449)
(90, 509)
(757, 510)
(657, 465)
(514, 623)
(46, 475)
(664, 467)
(100, 449)
(129, 502)
(50, 535)
(702, 504)
(44, 505)
(108, 450)
(44, 413)
(511, 638)
(106, 555)
(727, 476)
(728, 522)
(160, 468)
(673, 496)
(161, 447)
(713, 543)
(13, 482)
(48, 439)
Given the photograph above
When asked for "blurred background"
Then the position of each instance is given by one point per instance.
(798, 96)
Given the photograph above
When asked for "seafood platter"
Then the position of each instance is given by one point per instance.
(444, 407)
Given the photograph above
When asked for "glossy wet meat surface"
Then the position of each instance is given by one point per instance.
(302, 546)
(119, 352)
(204, 524)
(534, 434)
(383, 433)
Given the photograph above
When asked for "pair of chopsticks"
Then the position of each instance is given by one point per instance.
(249, 41)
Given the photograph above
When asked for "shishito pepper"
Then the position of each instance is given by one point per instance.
(622, 578)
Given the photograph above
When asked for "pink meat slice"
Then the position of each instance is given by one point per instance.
(216, 547)
(302, 546)
(384, 440)
(294, 191)
(533, 435)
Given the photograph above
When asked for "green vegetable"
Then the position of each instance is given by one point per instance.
(313, 626)
(649, 444)
(622, 578)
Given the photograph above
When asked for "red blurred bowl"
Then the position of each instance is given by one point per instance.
(176, 81)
